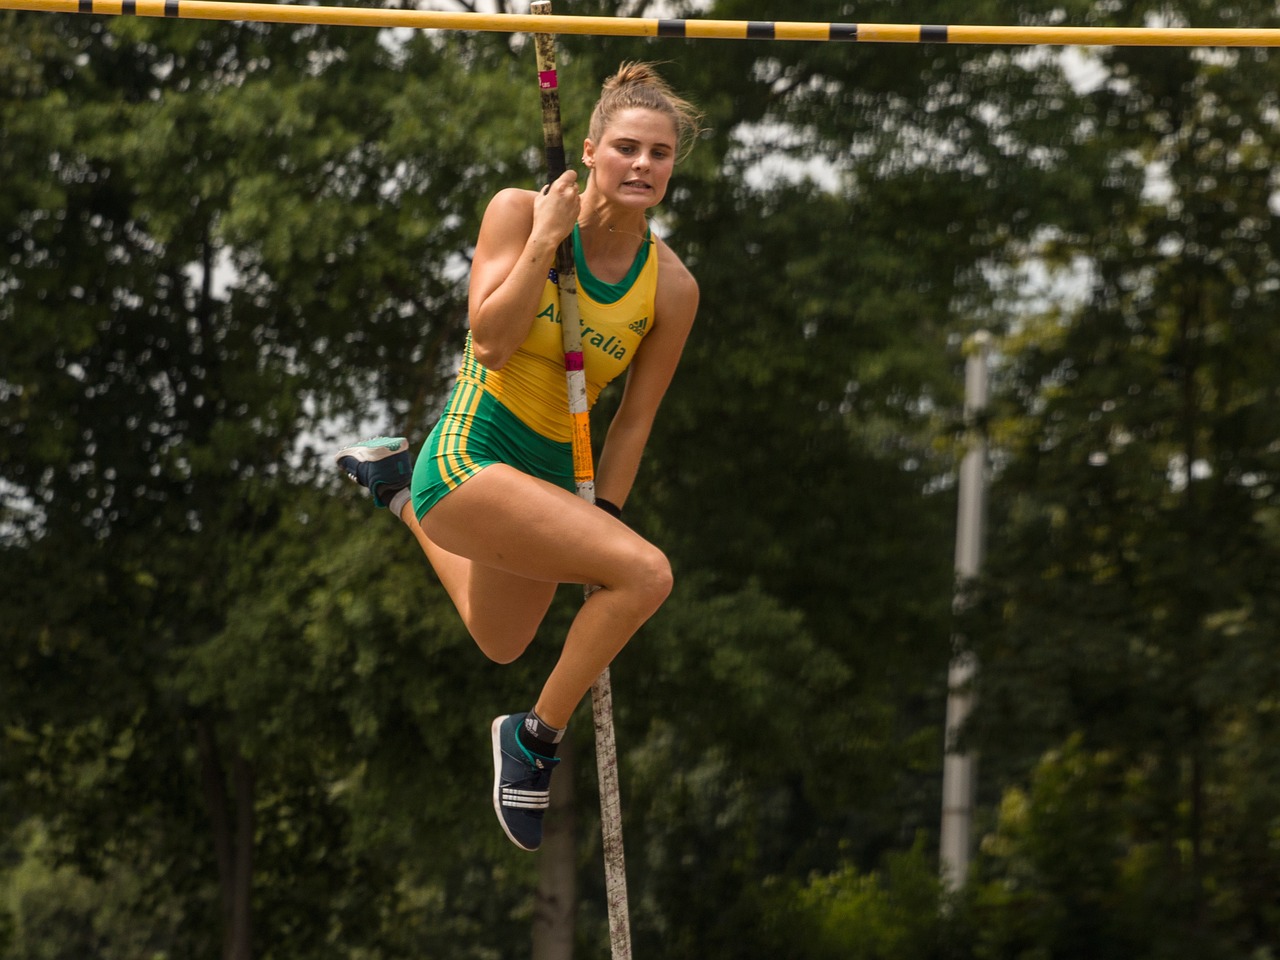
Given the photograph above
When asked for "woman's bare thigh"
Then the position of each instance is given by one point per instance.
(523, 526)
(503, 611)
(485, 522)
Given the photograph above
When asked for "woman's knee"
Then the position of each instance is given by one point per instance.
(502, 631)
(651, 577)
(500, 647)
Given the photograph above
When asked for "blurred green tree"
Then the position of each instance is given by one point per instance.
(1131, 602)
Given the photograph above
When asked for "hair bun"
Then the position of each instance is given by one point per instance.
(638, 84)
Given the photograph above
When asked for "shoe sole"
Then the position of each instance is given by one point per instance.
(495, 734)
(366, 454)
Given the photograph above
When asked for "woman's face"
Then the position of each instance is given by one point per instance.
(633, 161)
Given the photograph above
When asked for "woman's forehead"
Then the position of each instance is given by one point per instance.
(641, 123)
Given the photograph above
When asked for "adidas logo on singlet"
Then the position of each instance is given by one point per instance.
(639, 326)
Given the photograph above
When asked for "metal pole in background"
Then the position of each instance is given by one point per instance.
(959, 769)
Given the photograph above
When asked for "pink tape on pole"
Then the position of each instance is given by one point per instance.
(573, 361)
(547, 79)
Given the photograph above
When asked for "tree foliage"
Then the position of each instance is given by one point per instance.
(238, 710)
(1136, 542)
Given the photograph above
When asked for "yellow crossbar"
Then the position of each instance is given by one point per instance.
(641, 27)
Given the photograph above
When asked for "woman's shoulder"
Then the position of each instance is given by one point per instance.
(511, 201)
(507, 219)
(676, 300)
(675, 276)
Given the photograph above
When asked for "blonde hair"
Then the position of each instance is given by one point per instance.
(639, 85)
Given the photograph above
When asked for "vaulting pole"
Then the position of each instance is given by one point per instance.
(615, 868)
(642, 27)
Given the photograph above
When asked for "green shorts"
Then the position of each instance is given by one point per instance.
(476, 431)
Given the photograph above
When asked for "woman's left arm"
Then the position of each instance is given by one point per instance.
(648, 378)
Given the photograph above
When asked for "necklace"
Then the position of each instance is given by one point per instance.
(622, 233)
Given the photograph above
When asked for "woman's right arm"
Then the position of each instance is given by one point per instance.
(516, 248)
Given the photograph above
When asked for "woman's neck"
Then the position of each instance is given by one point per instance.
(605, 223)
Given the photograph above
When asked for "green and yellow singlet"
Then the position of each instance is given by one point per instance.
(615, 318)
(519, 414)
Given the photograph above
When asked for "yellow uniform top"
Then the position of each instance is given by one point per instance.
(615, 318)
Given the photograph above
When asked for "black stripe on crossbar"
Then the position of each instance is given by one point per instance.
(843, 31)
(129, 8)
(85, 6)
(930, 34)
(671, 28)
(760, 30)
(171, 8)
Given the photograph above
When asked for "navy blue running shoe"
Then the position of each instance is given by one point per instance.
(381, 464)
(521, 784)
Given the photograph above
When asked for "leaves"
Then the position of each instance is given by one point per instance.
(224, 245)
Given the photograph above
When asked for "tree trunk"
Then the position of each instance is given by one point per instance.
(556, 899)
(232, 839)
(239, 938)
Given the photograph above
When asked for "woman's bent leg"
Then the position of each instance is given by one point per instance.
(502, 611)
(541, 534)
